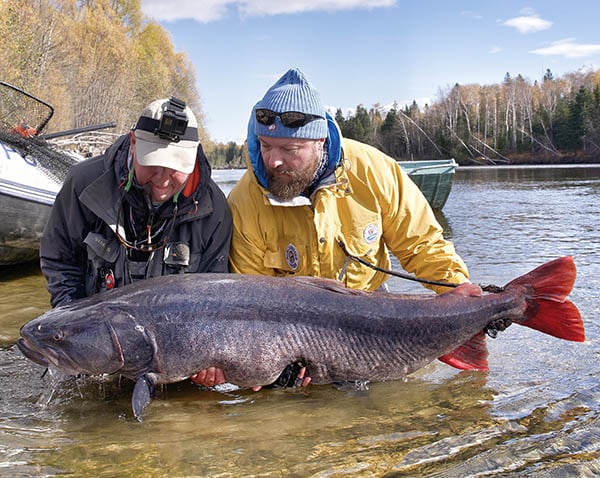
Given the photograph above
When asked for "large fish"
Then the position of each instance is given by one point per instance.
(163, 330)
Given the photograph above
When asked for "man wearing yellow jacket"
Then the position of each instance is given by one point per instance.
(309, 189)
(309, 192)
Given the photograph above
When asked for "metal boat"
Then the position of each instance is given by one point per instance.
(433, 177)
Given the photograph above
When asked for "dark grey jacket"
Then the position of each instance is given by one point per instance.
(80, 254)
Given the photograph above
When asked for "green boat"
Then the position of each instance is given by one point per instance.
(433, 177)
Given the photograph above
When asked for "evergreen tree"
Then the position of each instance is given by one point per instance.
(390, 135)
(548, 76)
(570, 124)
(339, 118)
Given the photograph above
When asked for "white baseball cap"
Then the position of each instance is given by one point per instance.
(169, 140)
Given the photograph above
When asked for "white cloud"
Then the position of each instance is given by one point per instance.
(528, 24)
(495, 49)
(204, 11)
(569, 49)
(212, 10)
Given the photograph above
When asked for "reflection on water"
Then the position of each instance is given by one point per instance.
(536, 413)
(22, 297)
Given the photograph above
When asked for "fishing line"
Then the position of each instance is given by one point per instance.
(487, 288)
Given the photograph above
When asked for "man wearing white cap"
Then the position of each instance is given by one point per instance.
(146, 207)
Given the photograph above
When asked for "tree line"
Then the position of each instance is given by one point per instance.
(555, 119)
(94, 61)
(516, 121)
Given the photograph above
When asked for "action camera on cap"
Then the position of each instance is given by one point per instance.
(173, 122)
(168, 120)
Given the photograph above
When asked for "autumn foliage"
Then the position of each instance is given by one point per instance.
(95, 61)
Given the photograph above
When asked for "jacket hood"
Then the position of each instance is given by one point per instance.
(334, 143)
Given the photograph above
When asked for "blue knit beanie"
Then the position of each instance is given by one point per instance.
(292, 92)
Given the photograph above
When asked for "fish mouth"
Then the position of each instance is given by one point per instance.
(49, 359)
(32, 354)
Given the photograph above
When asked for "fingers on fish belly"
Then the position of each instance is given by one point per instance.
(292, 375)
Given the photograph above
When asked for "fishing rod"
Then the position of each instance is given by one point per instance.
(402, 275)
(83, 129)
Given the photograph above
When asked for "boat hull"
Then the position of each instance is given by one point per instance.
(27, 194)
(433, 177)
(24, 213)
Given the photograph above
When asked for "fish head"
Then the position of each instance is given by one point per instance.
(73, 342)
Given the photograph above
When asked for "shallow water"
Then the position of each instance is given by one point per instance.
(536, 413)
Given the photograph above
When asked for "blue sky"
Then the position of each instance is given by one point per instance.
(370, 51)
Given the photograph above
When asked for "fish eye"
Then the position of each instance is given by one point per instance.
(58, 336)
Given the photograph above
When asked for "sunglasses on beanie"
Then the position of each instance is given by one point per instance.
(289, 119)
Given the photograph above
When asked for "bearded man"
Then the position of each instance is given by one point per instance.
(309, 197)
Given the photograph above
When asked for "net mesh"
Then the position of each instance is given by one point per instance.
(17, 108)
(51, 162)
(21, 117)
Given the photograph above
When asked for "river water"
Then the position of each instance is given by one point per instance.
(536, 413)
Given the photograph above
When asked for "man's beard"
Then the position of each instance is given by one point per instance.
(297, 181)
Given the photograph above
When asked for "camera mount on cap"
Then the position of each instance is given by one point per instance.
(173, 121)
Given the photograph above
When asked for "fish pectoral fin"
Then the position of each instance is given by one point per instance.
(143, 392)
(472, 355)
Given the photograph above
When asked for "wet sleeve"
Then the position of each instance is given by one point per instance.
(62, 252)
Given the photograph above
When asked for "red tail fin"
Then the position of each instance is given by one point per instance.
(548, 310)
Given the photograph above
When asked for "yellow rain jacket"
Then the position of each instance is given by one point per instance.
(373, 207)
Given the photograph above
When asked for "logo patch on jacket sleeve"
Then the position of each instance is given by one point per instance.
(291, 256)
(371, 233)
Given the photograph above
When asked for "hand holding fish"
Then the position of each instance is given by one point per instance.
(209, 377)
(215, 376)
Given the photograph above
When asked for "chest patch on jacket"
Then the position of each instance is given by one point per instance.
(370, 233)
(291, 256)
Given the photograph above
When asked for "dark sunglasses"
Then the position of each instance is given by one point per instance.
(289, 119)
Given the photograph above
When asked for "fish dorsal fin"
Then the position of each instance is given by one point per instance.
(472, 355)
